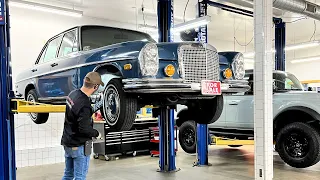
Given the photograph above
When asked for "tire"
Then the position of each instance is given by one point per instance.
(208, 111)
(119, 109)
(38, 118)
(187, 137)
(298, 145)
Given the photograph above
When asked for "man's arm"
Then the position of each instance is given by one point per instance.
(84, 121)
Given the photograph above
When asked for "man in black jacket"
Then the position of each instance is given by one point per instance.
(78, 128)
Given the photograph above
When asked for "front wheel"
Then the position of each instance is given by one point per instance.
(119, 109)
(207, 111)
(298, 144)
(38, 118)
(187, 136)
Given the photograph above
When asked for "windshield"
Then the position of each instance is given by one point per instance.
(93, 37)
(286, 81)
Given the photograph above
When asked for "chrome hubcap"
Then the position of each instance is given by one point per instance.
(111, 105)
(32, 99)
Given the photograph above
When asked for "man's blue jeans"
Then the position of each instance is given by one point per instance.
(77, 164)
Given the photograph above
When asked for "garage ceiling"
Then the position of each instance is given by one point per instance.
(224, 25)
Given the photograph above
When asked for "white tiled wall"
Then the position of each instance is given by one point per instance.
(38, 144)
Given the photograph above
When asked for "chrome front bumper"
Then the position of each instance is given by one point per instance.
(178, 86)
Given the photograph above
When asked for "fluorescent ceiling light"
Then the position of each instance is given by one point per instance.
(153, 13)
(45, 8)
(148, 28)
(308, 59)
(290, 47)
(302, 45)
(192, 24)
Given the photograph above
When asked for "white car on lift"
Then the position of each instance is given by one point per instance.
(296, 116)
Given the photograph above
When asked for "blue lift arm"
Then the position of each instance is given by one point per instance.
(7, 146)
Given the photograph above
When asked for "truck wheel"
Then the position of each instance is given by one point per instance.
(298, 144)
(119, 110)
(187, 136)
(208, 111)
(38, 118)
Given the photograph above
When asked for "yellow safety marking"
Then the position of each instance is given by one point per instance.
(225, 141)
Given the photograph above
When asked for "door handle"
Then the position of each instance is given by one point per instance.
(34, 70)
(54, 64)
(234, 103)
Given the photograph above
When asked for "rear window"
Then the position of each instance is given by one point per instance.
(96, 37)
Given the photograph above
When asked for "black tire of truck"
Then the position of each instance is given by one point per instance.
(298, 145)
(119, 109)
(38, 118)
(187, 136)
(208, 111)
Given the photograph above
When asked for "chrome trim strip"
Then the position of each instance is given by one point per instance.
(77, 66)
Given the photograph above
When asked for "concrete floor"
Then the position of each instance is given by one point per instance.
(227, 163)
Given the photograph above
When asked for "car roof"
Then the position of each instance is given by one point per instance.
(75, 27)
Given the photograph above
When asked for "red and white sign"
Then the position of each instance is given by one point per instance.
(209, 87)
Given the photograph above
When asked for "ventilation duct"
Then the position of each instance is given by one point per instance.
(298, 6)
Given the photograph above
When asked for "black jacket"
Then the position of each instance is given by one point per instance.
(78, 125)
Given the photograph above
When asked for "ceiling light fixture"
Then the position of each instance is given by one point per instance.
(192, 24)
(290, 47)
(308, 59)
(302, 45)
(45, 8)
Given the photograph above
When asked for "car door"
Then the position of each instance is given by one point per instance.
(42, 69)
(231, 108)
(245, 119)
(64, 68)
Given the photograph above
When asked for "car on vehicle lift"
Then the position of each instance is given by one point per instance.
(296, 117)
(136, 71)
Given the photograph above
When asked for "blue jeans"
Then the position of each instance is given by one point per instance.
(77, 164)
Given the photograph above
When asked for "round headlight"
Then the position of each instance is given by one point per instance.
(238, 66)
(149, 60)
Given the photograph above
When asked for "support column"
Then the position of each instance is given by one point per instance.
(166, 135)
(202, 129)
(166, 115)
(7, 150)
(280, 44)
(263, 124)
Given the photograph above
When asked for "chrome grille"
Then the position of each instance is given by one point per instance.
(198, 62)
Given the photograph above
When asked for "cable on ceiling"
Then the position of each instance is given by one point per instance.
(143, 16)
(314, 30)
(243, 44)
(185, 9)
(297, 20)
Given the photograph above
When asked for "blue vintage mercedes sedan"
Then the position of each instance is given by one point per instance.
(136, 71)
